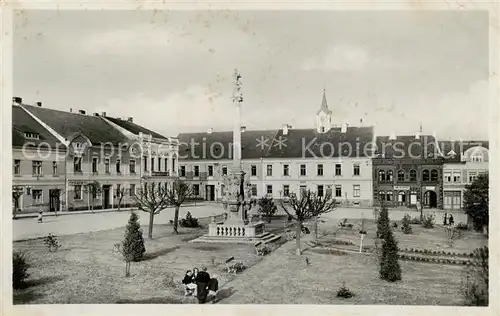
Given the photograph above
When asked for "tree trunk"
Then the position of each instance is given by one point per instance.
(150, 228)
(298, 231)
(176, 219)
(127, 268)
(316, 228)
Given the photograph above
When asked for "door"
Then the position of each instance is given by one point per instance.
(54, 202)
(105, 194)
(457, 200)
(210, 192)
(413, 199)
(15, 201)
(448, 200)
(430, 199)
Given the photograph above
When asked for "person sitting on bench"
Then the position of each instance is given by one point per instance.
(189, 285)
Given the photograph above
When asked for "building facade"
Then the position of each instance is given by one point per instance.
(408, 170)
(278, 162)
(464, 161)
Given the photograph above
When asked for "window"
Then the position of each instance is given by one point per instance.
(456, 176)
(472, 176)
(152, 164)
(145, 163)
(106, 165)
(286, 170)
(477, 157)
(356, 190)
(286, 190)
(78, 192)
(329, 190)
(54, 168)
(303, 190)
(381, 196)
(447, 176)
(269, 189)
(224, 170)
(118, 166)
(269, 170)
(413, 175)
(401, 175)
(131, 166)
(338, 169)
(210, 171)
(159, 163)
(132, 189)
(118, 190)
(196, 171)
(338, 190)
(17, 166)
(32, 135)
(37, 196)
(28, 191)
(356, 170)
(166, 164)
(303, 170)
(77, 164)
(425, 175)
(253, 170)
(389, 176)
(196, 189)
(37, 167)
(320, 169)
(389, 196)
(254, 189)
(381, 176)
(320, 190)
(183, 171)
(94, 164)
(434, 175)
(173, 162)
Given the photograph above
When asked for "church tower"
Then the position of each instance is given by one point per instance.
(323, 116)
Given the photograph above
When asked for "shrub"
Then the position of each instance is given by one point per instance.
(406, 224)
(462, 226)
(133, 244)
(19, 270)
(428, 221)
(52, 242)
(394, 225)
(267, 207)
(344, 292)
(237, 267)
(415, 221)
(476, 281)
(189, 221)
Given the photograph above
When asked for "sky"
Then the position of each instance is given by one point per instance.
(172, 70)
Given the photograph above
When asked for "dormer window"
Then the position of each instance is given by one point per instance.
(30, 135)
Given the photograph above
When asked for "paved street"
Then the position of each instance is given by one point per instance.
(83, 223)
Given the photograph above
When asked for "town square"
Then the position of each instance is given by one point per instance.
(245, 160)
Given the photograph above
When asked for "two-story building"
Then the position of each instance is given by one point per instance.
(102, 151)
(327, 158)
(463, 162)
(408, 170)
(38, 175)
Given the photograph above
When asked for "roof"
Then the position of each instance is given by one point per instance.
(407, 147)
(459, 148)
(298, 143)
(23, 123)
(134, 128)
(67, 124)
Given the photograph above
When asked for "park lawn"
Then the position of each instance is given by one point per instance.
(284, 278)
(421, 238)
(86, 270)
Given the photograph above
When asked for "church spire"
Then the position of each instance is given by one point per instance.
(324, 105)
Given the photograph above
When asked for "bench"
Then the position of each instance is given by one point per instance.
(229, 269)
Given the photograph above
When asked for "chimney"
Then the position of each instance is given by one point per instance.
(17, 100)
(360, 122)
(96, 114)
(103, 113)
(286, 127)
(70, 110)
(210, 130)
(81, 112)
(130, 119)
(417, 135)
(243, 128)
(393, 136)
(343, 129)
(39, 104)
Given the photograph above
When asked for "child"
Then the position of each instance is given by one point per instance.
(40, 217)
(189, 285)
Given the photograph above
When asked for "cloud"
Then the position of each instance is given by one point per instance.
(340, 57)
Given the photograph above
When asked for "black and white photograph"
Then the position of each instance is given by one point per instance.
(230, 156)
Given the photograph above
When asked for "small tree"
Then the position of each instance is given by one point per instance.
(133, 243)
(428, 221)
(93, 189)
(476, 282)
(52, 243)
(151, 199)
(176, 196)
(406, 224)
(120, 194)
(476, 201)
(267, 207)
(383, 221)
(389, 265)
(452, 234)
(20, 268)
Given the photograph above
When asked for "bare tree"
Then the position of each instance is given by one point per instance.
(93, 189)
(176, 196)
(127, 257)
(151, 198)
(120, 194)
(301, 213)
(319, 205)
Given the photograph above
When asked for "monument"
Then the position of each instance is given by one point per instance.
(237, 227)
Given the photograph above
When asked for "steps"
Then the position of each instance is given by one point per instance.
(265, 238)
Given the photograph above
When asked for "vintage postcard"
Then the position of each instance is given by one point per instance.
(240, 158)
